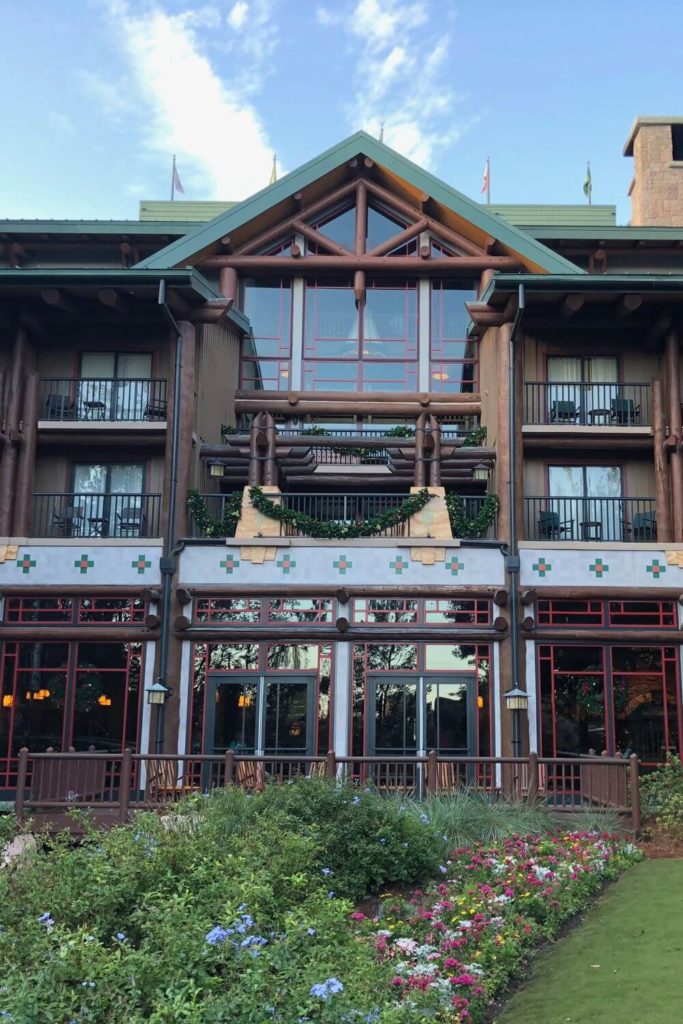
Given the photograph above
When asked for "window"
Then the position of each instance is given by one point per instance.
(584, 390)
(590, 499)
(677, 141)
(108, 501)
(379, 611)
(635, 614)
(570, 613)
(266, 354)
(116, 386)
(454, 358)
(115, 611)
(381, 226)
(373, 348)
(304, 611)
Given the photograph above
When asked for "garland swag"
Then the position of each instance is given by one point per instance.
(206, 525)
(309, 526)
(479, 524)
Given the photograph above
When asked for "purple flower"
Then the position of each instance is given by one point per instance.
(218, 935)
(326, 872)
(327, 988)
(330, 895)
(311, 931)
(46, 919)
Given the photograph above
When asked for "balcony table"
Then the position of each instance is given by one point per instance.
(591, 529)
(604, 415)
(94, 410)
(99, 526)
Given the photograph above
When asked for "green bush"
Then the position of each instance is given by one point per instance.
(662, 796)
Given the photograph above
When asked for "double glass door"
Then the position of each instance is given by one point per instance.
(582, 389)
(114, 385)
(107, 499)
(408, 715)
(587, 501)
(267, 715)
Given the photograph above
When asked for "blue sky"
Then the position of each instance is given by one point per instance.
(98, 94)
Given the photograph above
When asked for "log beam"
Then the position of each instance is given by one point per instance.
(370, 264)
(113, 300)
(454, 238)
(571, 304)
(361, 218)
(399, 239)
(320, 239)
(626, 305)
(27, 457)
(661, 464)
(671, 357)
(56, 298)
(8, 461)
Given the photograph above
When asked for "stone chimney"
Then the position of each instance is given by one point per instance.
(656, 145)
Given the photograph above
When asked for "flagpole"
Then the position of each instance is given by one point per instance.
(173, 180)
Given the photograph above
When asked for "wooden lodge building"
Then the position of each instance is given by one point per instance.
(338, 466)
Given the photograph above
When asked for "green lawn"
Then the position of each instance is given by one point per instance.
(635, 935)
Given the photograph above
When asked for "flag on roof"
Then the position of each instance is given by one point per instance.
(273, 173)
(486, 180)
(176, 183)
(588, 183)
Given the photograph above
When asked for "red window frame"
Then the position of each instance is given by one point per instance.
(439, 362)
(598, 612)
(20, 610)
(425, 611)
(208, 609)
(279, 363)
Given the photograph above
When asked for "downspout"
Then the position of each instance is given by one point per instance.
(512, 564)
(167, 563)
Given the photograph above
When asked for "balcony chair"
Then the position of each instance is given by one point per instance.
(164, 784)
(130, 522)
(564, 412)
(59, 407)
(250, 775)
(550, 527)
(68, 522)
(642, 528)
(624, 412)
(156, 411)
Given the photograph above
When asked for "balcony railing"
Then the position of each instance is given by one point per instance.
(449, 431)
(591, 519)
(593, 405)
(346, 509)
(77, 399)
(96, 515)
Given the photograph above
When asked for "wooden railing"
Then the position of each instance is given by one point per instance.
(50, 783)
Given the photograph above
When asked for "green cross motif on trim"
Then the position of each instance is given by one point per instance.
(399, 564)
(26, 563)
(599, 567)
(286, 563)
(454, 566)
(141, 564)
(83, 563)
(230, 563)
(655, 568)
(342, 563)
(542, 567)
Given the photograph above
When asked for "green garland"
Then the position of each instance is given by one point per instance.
(479, 524)
(309, 526)
(206, 525)
(475, 438)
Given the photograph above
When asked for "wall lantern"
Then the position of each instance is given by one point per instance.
(157, 693)
(104, 701)
(215, 469)
(480, 472)
(7, 700)
(516, 699)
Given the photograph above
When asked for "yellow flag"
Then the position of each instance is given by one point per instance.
(273, 173)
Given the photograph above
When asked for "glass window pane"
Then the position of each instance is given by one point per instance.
(447, 718)
(330, 313)
(341, 228)
(232, 657)
(299, 657)
(235, 717)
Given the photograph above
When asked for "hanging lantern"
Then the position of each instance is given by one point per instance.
(7, 700)
(104, 701)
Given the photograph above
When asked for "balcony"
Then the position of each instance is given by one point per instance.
(574, 404)
(104, 400)
(628, 520)
(96, 515)
(342, 509)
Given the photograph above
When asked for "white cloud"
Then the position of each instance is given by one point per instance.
(401, 65)
(209, 122)
(61, 122)
(238, 15)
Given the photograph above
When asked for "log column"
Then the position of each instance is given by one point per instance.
(503, 464)
(671, 356)
(8, 463)
(270, 473)
(27, 458)
(228, 283)
(420, 477)
(662, 481)
(255, 476)
(435, 463)
(186, 401)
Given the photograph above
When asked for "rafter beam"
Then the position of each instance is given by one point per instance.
(370, 264)
(571, 304)
(399, 239)
(626, 305)
(319, 239)
(56, 298)
(459, 241)
(113, 299)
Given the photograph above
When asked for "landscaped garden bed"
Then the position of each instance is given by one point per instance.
(245, 910)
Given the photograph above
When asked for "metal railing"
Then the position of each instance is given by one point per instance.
(96, 515)
(591, 519)
(595, 404)
(103, 399)
(119, 783)
(345, 509)
(325, 454)
(473, 505)
(449, 431)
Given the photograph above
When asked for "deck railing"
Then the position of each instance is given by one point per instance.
(96, 399)
(591, 519)
(73, 514)
(594, 404)
(53, 783)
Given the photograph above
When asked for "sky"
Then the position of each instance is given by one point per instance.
(99, 94)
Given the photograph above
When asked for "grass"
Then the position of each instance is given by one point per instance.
(622, 964)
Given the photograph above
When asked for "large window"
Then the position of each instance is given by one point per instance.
(598, 698)
(373, 348)
(634, 614)
(113, 611)
(266, 354)
(454, 358)
(62, 695)
(233, 611)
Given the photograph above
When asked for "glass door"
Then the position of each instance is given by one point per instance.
(452, 715)
(95, 388)
(392, 716)
(107, 499)
(289, 714)
(133, 373)
(564, 389)
(586, 502)
(231, 714)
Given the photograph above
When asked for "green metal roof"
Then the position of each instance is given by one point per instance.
(530, 215)
(506, 283)
(608, 234)
(125, 279)
(95, 227)
(183, 250)
(185, 211)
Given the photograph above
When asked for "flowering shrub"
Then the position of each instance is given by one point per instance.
(185, 919)
(662, 794)
(456, 946)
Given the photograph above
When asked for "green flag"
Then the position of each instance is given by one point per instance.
(588, 183)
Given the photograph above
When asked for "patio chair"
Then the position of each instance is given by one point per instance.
(624, 412)
(550, 527)
(59, 407)
(156, 411)
(67, 522)
(250, 775)
(642, 528)
(164, 783)
(130, 521)
(564, 412)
